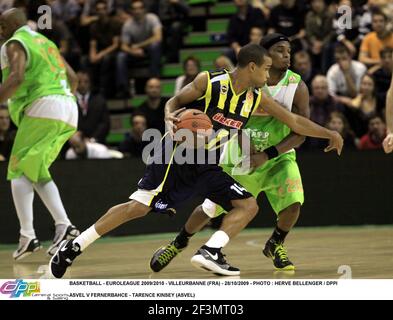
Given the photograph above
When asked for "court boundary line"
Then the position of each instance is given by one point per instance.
(170, 235)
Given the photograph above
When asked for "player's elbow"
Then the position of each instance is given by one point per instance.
(249, 207)
(294, 123)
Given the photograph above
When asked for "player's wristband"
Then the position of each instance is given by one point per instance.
(271, 152)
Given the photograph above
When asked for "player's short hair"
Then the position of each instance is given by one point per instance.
(251, 53)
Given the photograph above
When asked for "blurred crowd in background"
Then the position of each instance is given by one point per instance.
(347, 70)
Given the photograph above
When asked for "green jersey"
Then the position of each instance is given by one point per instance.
(45, 72)
(266, 131)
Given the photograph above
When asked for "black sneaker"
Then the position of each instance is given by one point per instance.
(63, 258)
(278, 253)
(163, 256)
(213, 260)
(63, 232)
(26, 247)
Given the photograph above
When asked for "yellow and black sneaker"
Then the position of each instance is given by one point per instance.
(163, 256)
(278, 253)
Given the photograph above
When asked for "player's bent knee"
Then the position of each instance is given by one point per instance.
(293, 209)
(249, 205)
(135, 209)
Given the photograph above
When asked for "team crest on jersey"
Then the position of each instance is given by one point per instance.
(224, 89)
(292, 79)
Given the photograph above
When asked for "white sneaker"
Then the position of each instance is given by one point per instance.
(63, 232)
(26, 247)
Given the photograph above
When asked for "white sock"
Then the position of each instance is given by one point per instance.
(87, 237)
(23, 195)
(50, 196)
(218, 240)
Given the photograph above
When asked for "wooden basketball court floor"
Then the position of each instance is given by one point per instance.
(316, 253)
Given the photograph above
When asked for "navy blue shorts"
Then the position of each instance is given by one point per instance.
(165, 186)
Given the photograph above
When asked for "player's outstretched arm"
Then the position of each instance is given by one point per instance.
(301, 106)
(72, 77)
(302, 125)
(188, 94)
(388, 142)
(17, 64)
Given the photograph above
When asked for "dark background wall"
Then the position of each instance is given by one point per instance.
(353, 189)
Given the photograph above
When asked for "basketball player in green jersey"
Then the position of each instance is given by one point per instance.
(388, 141)
(36, 83)
(277, 172)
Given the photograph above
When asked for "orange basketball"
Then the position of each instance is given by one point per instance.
(194, 120)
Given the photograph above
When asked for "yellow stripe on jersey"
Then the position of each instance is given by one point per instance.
(223, 93)
(234, 102)
(249, 106)
(208, 93)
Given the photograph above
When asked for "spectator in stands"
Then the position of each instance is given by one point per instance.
(318, 29)
(7, 135)
(383, 73)
(376, 133)
(264, 5)
(302, 64)
(89, 13)
(191, 68)
(104, 44)
(133, 144)
(339, 123)
(364, 106)
(223, 62)
(65, 22)
(347, 35)
(240, 26)
(93, 112)
(83, 148)
(173, 15)
(153, 107)
(322, 104)
(375, 41)
(256, 35)
(65, 10)
(288, 18)
(140, 39)
(345, 75)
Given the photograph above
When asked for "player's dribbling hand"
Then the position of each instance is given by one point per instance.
(388, 143)
(171, 119)
(336, 142)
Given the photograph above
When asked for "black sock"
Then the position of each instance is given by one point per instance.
(181, 240)
(278, 235)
